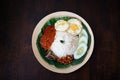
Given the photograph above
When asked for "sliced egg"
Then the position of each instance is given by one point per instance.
(61, 25)
(81, 50)
(75, 26)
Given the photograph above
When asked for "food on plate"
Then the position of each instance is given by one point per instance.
(65, 60)
(67, 47)
(61, 25)
(82, 48)
(47, 37)
(75, 26)
(65, 40)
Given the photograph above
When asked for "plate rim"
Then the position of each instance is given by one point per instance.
(37, 30)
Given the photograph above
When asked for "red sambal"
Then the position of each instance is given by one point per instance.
(47, 37)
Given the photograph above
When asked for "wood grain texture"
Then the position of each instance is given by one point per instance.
(19, 18)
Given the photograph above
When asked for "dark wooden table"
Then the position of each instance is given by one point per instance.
(19, 18)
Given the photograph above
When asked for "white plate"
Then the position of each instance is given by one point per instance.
(36, 32)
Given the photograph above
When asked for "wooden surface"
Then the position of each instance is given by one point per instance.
(19, 18)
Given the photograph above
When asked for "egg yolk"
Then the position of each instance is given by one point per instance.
(73, 27)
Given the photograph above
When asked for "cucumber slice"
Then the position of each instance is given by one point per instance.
(81, 50)
(84, 33)
(83, 39)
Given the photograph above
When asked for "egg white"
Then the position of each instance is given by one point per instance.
(75, 26)
(61, 25)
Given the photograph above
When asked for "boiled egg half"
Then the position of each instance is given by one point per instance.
(61, 25)
(75, 26)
